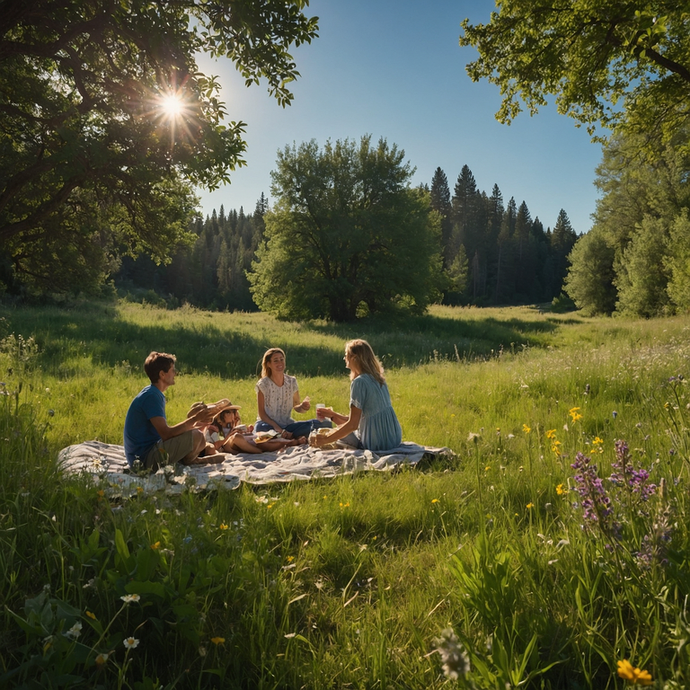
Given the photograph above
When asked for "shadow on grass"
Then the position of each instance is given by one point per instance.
(201, 345)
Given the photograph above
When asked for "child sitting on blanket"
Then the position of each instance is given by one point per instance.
(237, 438)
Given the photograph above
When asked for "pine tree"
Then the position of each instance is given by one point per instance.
(440, 202)
(563, 239)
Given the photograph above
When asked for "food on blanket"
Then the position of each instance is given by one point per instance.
(263, 436)
(323, 432)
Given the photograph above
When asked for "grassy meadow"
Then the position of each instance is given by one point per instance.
(548, 575)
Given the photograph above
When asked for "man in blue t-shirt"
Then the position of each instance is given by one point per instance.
(147, 434)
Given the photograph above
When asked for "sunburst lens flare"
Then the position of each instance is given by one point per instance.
(172, 106)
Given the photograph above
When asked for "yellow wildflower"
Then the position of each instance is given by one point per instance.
(223, 526)
(92, 616)
(560, 490)
(140, 490)
(526, 428)
(634, 676)
(434, 500)
(597, 441)
(156, 546)
(551, 433)
(100, 493)
(218, 640)
(487, 468)
(530, 505)
(290, 559)
(575, 413)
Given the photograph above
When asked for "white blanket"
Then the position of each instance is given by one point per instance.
(107, 463)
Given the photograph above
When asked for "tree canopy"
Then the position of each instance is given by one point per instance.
(638, 232)
(347, 235)
(612, 62)
(107, 121)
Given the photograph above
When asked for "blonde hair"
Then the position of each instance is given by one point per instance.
(367, 361)
(266, 361)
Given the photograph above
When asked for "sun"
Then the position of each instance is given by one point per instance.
(172, 106)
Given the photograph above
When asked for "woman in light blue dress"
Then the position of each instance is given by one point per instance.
(372, 423)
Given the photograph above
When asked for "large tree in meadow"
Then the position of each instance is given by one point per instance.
(594, 56)
(106, 120)
(346, 234)
(640, 217)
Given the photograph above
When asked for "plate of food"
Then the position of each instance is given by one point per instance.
(263, 436)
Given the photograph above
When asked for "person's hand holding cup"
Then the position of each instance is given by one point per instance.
(320, 411)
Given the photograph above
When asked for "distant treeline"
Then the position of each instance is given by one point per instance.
(496, 254)
(211, 273)
(492, 253)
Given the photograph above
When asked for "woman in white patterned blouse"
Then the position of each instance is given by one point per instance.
(278, 396)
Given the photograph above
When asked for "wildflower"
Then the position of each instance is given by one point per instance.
(345, 505)
(635, 480)
(453, 415)
(633, 675)
(551, 433)
(614, 414)
(655, 544)
(435, 500)
(530, 506)
(555, 447)
(156, 546)
(456, 661)
(217, 640)
(270, 505)
(560, 490)
(487, 468)
(102, 658)
(100, 493)
(74, 631)
(223, 526)
(575, 413)
(130, 643)
(526, 428)
(596, 504)
(129, 598)
(92, 616)
(290, 559)
(597, 441)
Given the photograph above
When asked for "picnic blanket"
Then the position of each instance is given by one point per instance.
(106, 462)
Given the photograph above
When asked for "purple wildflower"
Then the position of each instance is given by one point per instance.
(655, 544)
(596, 504)
(626, 475)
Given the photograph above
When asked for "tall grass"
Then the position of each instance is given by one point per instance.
(347, 583)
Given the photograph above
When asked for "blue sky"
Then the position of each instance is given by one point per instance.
(394, 69)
